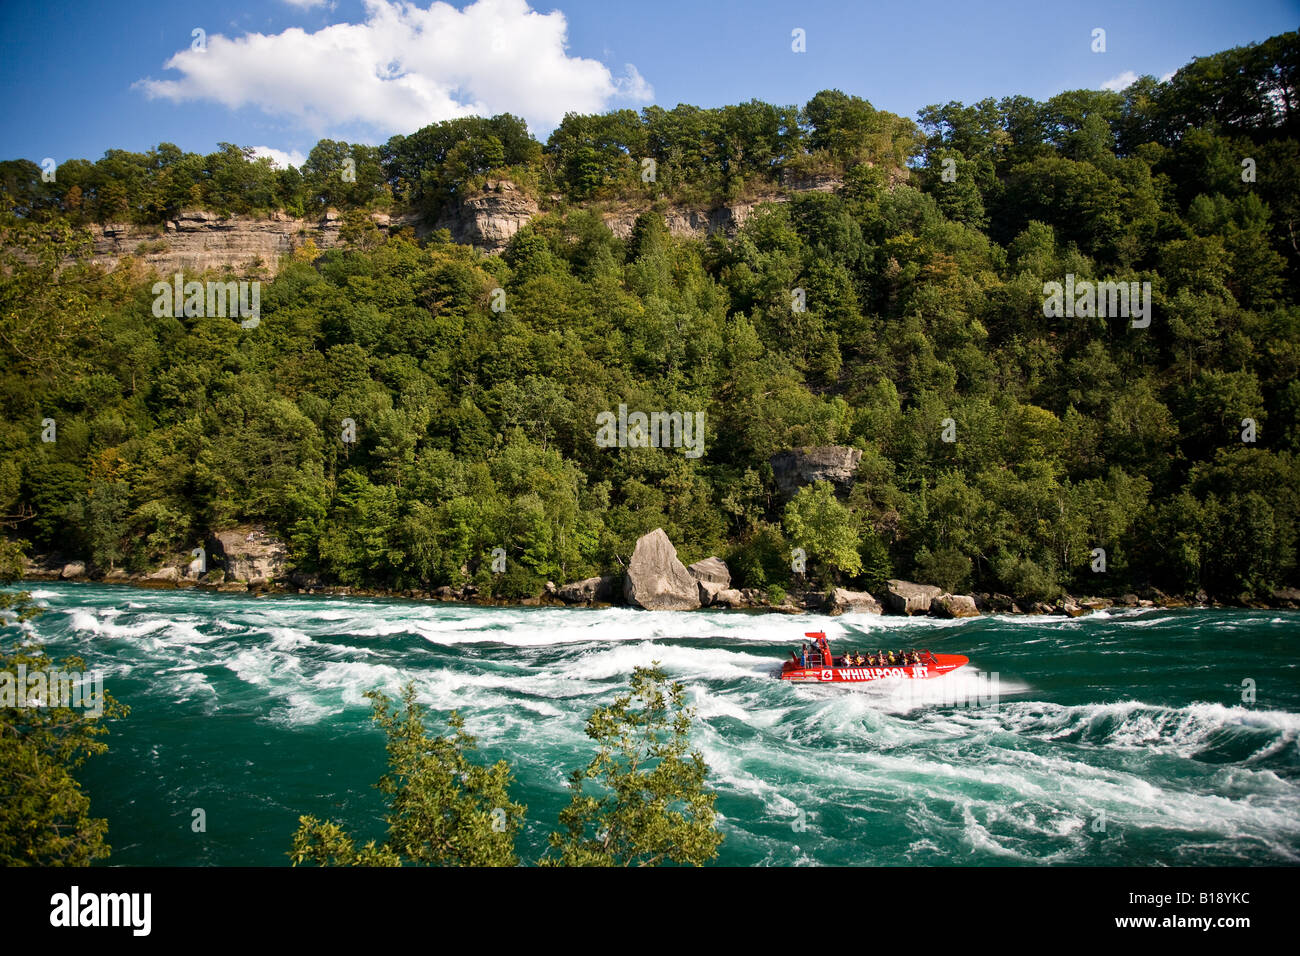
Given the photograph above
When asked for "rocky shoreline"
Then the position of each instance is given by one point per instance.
(251, 561)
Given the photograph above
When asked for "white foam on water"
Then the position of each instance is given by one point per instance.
(190, 685)
(680, 660)
(254, 666)
(288, 639)
(1132, 724)
(1019, 782)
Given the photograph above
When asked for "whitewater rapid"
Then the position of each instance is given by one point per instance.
(1064, 741)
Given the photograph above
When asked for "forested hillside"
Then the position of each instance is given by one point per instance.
(900, 315)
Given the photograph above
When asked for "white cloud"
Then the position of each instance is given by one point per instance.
(403, 68)
(1167, 77)
(279, 157)
(1117, 83)
(305, 4)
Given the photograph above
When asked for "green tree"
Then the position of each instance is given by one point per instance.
(824, 528)
(642, 800)
(443, 809)
(44, 814)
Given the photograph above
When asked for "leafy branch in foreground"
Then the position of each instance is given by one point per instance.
(649, 806)
(44, 815)
(443, 809)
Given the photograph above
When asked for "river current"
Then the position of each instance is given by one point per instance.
(1135, 737)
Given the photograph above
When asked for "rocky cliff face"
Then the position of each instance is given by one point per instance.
(699, 222)
(197, 240)
(802, 466)
(488, 220)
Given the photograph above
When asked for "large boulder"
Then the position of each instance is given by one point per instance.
(1283, 597)
(954, 605)
(1095, 604)
(731, 597)
(803, 466)
(163, 576)
(904, 597)
(860, 601)
(248, 555)
(73, 569)
(996, 604)
(600, 590)
(656, 580)
(712, 576)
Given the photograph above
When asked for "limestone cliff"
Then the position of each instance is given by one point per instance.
(197, 240)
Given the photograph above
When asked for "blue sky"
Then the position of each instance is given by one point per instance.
(84, 77)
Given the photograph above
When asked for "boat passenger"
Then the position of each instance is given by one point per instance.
(859, 660)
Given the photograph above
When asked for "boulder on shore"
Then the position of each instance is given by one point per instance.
(656, 580)
(904, 597)
(731, 597)
(167, 575)
(73, 569)
(954, 605)
(598, 590)
(1285, 598)
(842, 600)
(996, 604)
(711, 575)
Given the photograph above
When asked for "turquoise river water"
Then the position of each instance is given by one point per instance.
(1120, 738)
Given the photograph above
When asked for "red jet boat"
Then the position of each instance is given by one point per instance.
(818, 666)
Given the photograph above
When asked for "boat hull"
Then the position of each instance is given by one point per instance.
(934, 666)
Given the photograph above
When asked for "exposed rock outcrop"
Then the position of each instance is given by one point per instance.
(656, 580)
(699, 222)
(803, 466)
(73, 569)
(198, 240)
(954, 605)
(489, 218)
(249, 556)
(842, 600)
(904, 597)
(712, 575)
(598, 590)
